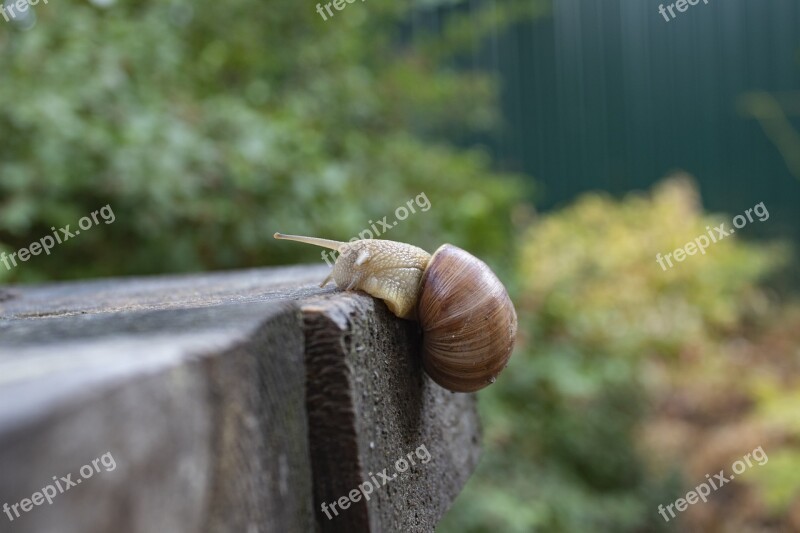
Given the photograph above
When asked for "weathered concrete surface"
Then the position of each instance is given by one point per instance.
(370, 405)
(214, 393)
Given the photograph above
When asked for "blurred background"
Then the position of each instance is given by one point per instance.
(567, 143)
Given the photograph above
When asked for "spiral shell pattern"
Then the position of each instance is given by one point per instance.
(468, 321)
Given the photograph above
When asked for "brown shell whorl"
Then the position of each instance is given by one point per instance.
(468, 321)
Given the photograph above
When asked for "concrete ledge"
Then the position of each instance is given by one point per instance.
(370, 404)
(236, 401)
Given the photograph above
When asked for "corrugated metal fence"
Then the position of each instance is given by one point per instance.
(607, 94)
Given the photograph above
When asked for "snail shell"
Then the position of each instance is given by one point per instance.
(468, 321)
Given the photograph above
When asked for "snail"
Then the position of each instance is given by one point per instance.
(468, 321)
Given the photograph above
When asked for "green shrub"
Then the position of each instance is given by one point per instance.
(207, 126)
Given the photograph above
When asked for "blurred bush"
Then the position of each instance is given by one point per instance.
(209, 125)
(599, 317)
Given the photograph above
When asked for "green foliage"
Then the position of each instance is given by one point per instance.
(208, 125)
(591, 272)
(778, 407)
(777, 480)
(561, 424)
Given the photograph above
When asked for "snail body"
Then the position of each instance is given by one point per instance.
(467, 319)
